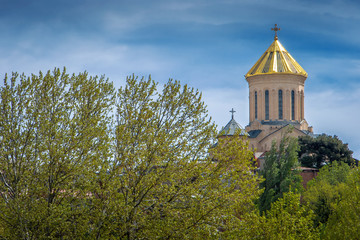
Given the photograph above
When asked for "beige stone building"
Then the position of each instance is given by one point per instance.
(276, 99)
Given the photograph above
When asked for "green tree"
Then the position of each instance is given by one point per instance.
(280, 172)
(344, 220)
(286, 219)
(71, 170)
(326, 190)
(322, 150)
(169, 185)
(54, 137)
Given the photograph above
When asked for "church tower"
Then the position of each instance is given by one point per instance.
(276, 97)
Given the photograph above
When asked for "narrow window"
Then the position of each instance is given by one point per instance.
(280, 104)
(256, 116)
(302, 105)
(267, 105)
(292, 105)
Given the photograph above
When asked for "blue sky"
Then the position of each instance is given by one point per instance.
(207, 44)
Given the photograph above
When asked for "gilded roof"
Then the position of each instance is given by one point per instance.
(276, 60)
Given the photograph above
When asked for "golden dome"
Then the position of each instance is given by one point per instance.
(276, 60)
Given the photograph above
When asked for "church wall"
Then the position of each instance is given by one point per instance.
(269, 133)
(263, 141)
(273, 83)
(266, 142)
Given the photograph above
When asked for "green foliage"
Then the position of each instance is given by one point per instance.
(322, 150)
(287, 219)
(79, 160)
(326, 190)
(71, 170)
(344, 221)
(280, 172)
(334, 196)
(333, 174)
(169, 186)
(54, 137)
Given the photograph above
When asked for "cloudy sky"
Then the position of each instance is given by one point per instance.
(207, 44)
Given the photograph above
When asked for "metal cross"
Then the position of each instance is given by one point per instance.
(275, 29)
(232, 113)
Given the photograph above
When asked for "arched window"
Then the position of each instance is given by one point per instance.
(256, 114)
(280, 104)
(292, 105)
(266, 104)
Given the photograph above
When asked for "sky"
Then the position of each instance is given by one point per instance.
(208, 44)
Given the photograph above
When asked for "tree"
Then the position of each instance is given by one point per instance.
(288, 219)
(344, 220)
(78, 160)
(169, 185)
(322, 150)
(280, 172)
(326, 190)
(54, 138)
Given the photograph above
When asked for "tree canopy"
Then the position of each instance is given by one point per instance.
(54, 138)
(323, 149)
(344, 221)
(171, 187)
(79, 159)
(325, 191)
(280, 171)
(288, 219)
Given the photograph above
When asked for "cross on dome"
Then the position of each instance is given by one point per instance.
(275, 29)
(232, 113)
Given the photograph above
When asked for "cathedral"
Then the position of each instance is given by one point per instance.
(276, 100)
